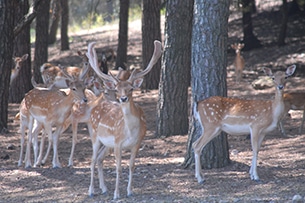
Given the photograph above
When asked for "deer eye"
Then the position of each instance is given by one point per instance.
(272, 78)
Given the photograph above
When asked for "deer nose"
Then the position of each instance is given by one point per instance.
(85, 99)
(124, 99)
(280, 87)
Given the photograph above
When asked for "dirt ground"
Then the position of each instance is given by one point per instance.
(159, 176)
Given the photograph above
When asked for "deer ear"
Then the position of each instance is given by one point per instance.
(267, 71)
(109, 85)
(25, 56)
(137, 82)
(290, 70)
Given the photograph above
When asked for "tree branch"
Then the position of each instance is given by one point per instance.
(28, 18)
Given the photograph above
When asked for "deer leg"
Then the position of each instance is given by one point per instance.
(48, 131)
(198, 145)
(21, 144)
(95, 147)
(301, 127)
(39, 159)
(28, 148)
(118, 160)
(282, 129)
(102, 153)
(37, 129)
(256, 141)
(74, 142)
(55, 162)
(133, 155)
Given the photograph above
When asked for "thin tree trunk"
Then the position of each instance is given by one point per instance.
(22, 83)
(41, 43)
(172, 113)
(64, 25)
(54, 21)
(282, 32)
(7, 18)
(121, 58)
(250, 40)
(150, 31)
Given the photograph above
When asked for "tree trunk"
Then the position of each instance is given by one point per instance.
(172, 118)
(7, 17)
(150, 31)
(283, 28)
(250, 40)
(121, 58)
(209, 62)
(41, 43)
(64, 25)
(22, 83)
(54, 20)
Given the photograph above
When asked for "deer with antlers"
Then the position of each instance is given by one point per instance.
(51, 108)
(18, 64)
(81, 111)
(117, 125)
(239, 117)
(239, 61)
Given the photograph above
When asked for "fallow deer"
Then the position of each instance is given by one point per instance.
(53, 74)
(81, 111)
(239, 61)
(294, 101)
(51, 108)
(18, 64)
(117, 125)
(239, 117)
(24, 116)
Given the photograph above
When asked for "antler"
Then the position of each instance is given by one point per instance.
(36, 86)
(65, 73)
(92, 56)
(84, 71)
(154, 59)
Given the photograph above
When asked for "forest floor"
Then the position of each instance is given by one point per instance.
(159, 176)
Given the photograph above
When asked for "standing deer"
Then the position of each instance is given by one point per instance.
(81, 111)
(117, 125)
(239, 117)
(294, 101)
(52, 108)
(239, 61)
(18, 64)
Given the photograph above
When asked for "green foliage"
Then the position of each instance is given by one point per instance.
(32, 34)
(92, 20)
(135, 12)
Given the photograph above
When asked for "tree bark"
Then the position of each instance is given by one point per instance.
(283, 28)
(151, 31)
(41, 43)
(7, 18)
(28, 18)
(172, 113)
(250, 40)
(209, 62)
(121, 58)
(55, 6)
(64, 25)
(22, 83)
